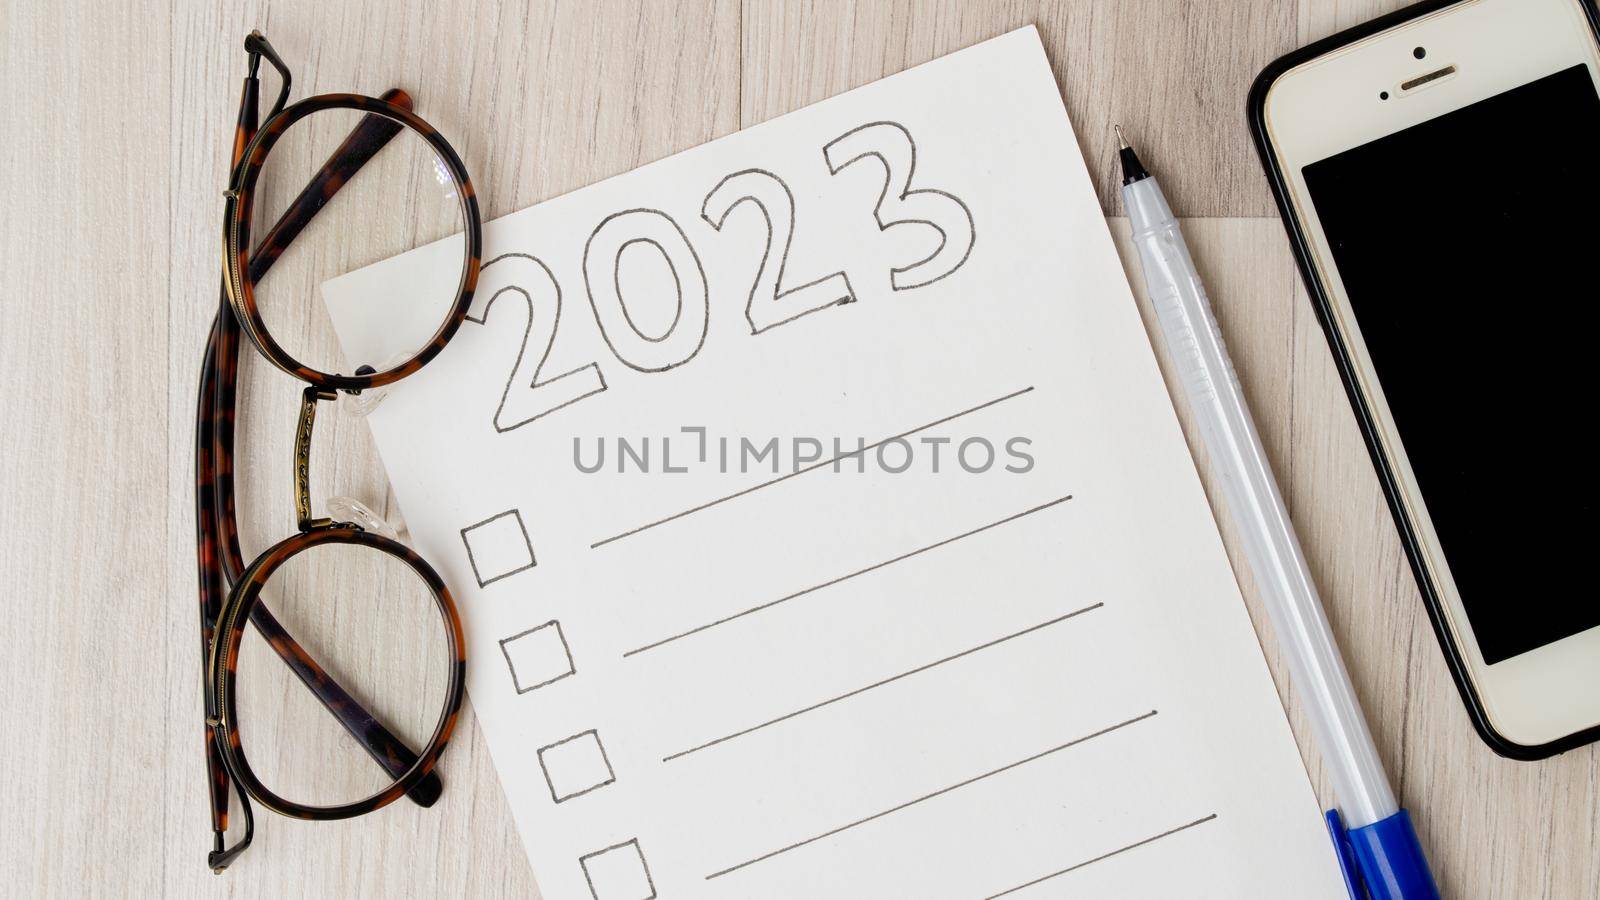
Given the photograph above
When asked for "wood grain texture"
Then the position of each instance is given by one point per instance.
(1318, 20)
(1173, 74)
(84, 480)
(118, 122)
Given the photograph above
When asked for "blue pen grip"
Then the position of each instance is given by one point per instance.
(1391, 861)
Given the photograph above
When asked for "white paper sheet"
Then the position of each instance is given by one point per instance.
(817, 680)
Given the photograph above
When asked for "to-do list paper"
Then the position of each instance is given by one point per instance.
(822, 526)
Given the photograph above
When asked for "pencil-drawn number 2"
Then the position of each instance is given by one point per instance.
(526, 397)
(769, 303)
(891, 143)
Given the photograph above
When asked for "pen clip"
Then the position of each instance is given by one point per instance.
(1347, 856)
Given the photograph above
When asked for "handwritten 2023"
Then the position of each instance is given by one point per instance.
(773, 301)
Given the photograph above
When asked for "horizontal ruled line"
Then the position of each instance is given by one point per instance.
(1104, 856)
(877, 684)
(811, 468)
(846, 577)
(929, 796)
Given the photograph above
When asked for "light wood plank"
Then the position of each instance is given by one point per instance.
(1174, 75)
(84, 483)
(1320, 19)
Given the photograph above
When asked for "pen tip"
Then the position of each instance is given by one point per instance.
(1132, 169)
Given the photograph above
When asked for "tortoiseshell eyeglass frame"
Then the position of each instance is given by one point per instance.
(230, 592)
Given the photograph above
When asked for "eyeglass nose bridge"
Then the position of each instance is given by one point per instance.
(302, 459)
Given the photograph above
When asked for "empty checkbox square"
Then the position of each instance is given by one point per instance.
(537, 657)
(498, 547)
(575, 766)
(619, 872)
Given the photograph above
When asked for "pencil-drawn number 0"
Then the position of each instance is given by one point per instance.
(891, 143)
(526, 397)
(769, 303)
(602, 264)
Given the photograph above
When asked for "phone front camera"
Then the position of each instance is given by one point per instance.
(1419, 52)
(1383, 95)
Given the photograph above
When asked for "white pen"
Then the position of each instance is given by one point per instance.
(1377, 847)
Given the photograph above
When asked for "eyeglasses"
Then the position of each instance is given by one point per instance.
(346, 207)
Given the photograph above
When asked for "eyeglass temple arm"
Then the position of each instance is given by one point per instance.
(212, 591)
(257, 45)
(213, 577)
(383, 746)
(365, 140)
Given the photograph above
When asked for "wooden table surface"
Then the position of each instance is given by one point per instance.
(117, 123)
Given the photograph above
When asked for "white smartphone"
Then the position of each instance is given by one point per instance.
(1439, 174)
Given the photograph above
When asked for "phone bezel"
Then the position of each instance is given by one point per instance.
(1510, 703)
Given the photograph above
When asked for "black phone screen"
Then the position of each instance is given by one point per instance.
(1469, 246)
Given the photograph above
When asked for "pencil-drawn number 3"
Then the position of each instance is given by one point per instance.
(891, 143)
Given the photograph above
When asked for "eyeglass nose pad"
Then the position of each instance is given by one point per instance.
(361, 405)
(349, 509)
